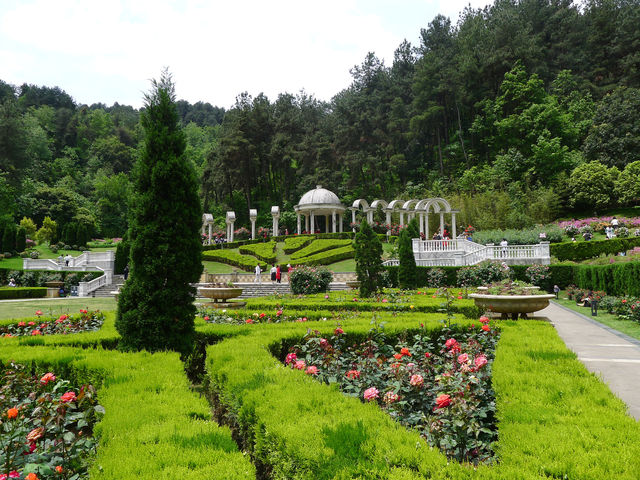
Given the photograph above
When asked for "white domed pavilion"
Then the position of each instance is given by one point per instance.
(316, 204)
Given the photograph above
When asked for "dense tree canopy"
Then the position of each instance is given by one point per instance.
(500, 108)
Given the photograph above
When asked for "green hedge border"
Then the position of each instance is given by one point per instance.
(22, 292)
(245, 262)
(262, 251)
(576, 251)
(319, 246)
(327, 258)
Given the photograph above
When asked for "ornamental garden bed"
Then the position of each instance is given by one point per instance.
(511, 298)
(64, 324)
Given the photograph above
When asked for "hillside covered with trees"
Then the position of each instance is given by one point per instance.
(519, 113)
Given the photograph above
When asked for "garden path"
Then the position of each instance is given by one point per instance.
(612, 355)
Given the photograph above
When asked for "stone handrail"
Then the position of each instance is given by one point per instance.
(85, 288)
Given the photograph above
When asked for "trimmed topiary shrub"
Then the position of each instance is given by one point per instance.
(368, 255)
(305, 280)
(407, 268)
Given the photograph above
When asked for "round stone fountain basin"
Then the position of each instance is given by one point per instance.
(221, 296)
(512, 304)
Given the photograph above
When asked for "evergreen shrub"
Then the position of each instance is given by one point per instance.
(7, 293)
(368, 255)
(576, 251)
(407, 269)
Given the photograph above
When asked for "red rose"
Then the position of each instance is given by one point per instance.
(68, 397)
(443, 401)
(486, 328)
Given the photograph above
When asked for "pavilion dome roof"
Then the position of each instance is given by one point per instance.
(319, 196)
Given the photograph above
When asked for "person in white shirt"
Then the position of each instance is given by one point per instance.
(504, 244)
(258, 278)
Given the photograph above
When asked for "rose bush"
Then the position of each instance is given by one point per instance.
(46, 429)
(438, 384)
(64, 324)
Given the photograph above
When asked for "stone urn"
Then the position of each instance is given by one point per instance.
(220, 294)
(513, 305)
(353, 284)
(54, 284)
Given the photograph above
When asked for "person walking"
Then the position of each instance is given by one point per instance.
(504, 244)
(258, 278)
(273, 273)
(125, 272)
(67, 259)
(278, 274)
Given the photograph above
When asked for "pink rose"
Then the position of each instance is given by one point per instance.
(47, 377)
(371, 394)
(338, 331)
(312, 370)
(416, 380)
(290, 358)
(68, 397)
(443, 401)
(299, 365)
(390, 397)
(480, 361)
(464, 358)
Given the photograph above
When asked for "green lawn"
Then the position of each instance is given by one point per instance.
(216, 267)
(27, 308)
(628, 327)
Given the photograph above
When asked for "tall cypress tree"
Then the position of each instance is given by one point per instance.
(407, 272)
(368, 253)
(155, 308)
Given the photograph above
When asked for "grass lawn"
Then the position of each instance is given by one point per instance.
(216, 267)
(628, 327)
(348, 265)
(27, 308)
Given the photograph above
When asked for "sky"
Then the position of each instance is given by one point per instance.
(108, 50)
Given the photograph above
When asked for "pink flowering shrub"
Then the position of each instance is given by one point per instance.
(46, 425)
(438, 383)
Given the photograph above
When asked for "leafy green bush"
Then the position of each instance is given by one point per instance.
(530, 236)
(245, 262)
(262, 251)
(482, 274)
(305, 280)
(576, 251)
(22, 292)
(319, 246)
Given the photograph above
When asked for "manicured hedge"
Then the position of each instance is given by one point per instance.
(279, 238)
(319, 246)
(328, 257)
(293, 244)
(22, 292)
(155, 426)
(262, 251)
(576, 251)
(615, 279)
(245, 262)
(556, 420)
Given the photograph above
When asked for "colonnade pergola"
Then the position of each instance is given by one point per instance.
(408, 210)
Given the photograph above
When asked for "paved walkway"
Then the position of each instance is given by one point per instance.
(612, 355)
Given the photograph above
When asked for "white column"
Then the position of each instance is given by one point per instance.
(298, 223)
(353, 216)
(401, 217)
(333, 221)
(421, 222)
(426, 227)
(370, 216)
(231, 226)
(340, 221)
(453, 225)
(313, 227)
(388, 218)
(209, 239)
(306, 223)
(442, 223)
(253, 229)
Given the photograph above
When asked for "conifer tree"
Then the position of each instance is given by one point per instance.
(368, 253)
(155, 308)
(407, 270)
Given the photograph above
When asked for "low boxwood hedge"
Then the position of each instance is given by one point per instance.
(556, 420)
(576, 251)
(22, 292)
(328, 257)
(293, 244)
(262, 251)
(245, 262)
(319, 246)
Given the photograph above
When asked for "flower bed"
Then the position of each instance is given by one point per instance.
(439, 386)
(46, 426)
(64, 324)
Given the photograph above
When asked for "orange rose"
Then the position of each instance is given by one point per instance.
(12, 413)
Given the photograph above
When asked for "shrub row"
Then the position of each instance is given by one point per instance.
(615, 279)
(328, 257)
(530, 236)
(319, 246)
(293, 244)
(156, 416)
(22, 292)
(37, 278)
(262, 251)
(279, 238)
(245, 262)
(544, 395)
(576, 251)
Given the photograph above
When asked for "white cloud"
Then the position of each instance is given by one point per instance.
(107, 50)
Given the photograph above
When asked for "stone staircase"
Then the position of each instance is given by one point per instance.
(107, 290)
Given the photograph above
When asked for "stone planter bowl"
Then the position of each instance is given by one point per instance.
(513, 305)
(221, 295)
(353, 284)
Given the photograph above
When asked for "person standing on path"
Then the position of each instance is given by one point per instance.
(278, 274)
(273, 273)
(125, 272)
(67, 259)
(504, 244)
(258, 277)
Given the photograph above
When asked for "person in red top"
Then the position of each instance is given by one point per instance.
(278, 274)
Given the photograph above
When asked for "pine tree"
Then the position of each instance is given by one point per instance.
(155, 308)
(407, 272)
(368, 260)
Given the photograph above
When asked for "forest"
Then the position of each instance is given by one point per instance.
(520, 113)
